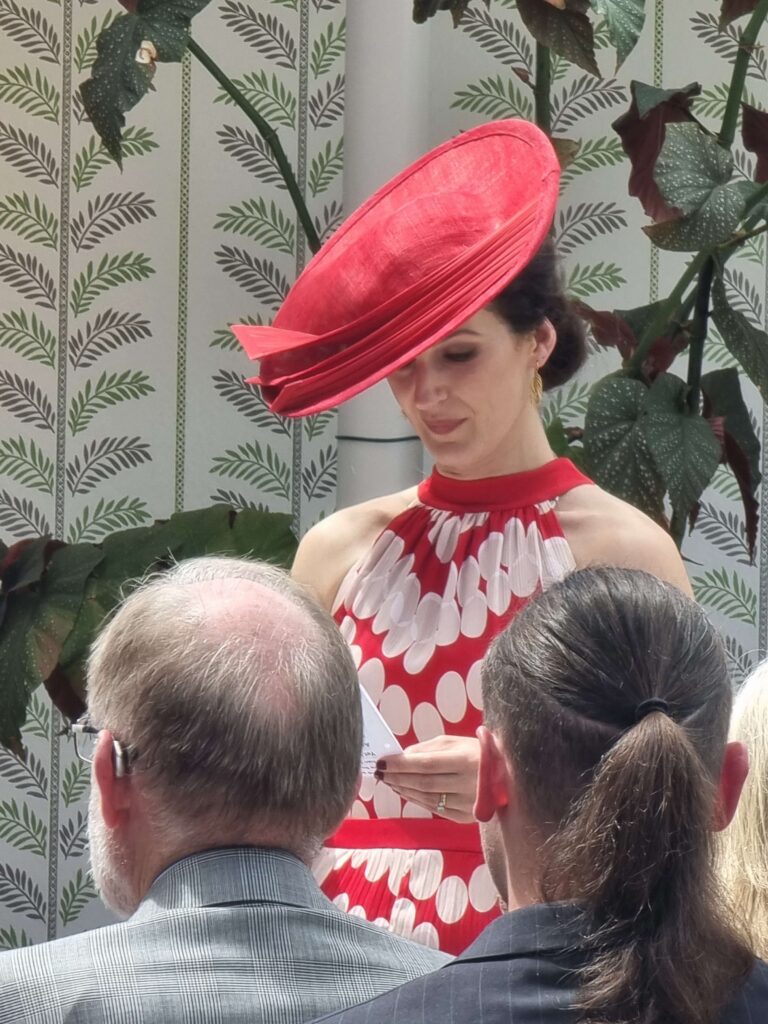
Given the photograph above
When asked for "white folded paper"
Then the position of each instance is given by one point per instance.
(378, 738)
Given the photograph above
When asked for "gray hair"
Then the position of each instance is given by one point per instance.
(237, 697)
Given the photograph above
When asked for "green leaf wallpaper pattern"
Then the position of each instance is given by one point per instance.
(100, 372)
(288, 58)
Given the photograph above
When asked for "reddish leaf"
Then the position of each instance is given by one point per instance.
(754, 132)
(727, 413)
(642, 131)
(717, 423)
(63, 695)
(567, 31)
(733, 9)
(23, 564)
(609, 330)
(664, 351)
(738, 460)
(566, 150)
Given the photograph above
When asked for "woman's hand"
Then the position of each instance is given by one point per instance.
(439, 775)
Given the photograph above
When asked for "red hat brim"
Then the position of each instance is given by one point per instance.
(414, 262)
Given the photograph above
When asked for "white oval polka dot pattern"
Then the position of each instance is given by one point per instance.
(419, 612)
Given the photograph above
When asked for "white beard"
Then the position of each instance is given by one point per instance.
(110, 865)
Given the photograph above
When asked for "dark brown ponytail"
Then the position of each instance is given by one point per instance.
(624, 805)
(537, 294)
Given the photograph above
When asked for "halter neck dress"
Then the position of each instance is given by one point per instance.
(419, 611)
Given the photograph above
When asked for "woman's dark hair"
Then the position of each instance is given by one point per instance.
(624, 803)
(537, 294)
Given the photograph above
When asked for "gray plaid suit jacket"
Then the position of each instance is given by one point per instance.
(521, 970)
(229, 935)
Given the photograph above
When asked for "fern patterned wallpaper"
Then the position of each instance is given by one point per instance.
(120, 388)
(121, 395)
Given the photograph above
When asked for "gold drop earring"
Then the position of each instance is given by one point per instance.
(537, 388)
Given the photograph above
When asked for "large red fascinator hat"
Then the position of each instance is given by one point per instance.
(413, 263)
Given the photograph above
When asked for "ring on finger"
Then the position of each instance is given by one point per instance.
(440, 809)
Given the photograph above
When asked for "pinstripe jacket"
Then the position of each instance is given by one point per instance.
(228, 935)
(521, 970)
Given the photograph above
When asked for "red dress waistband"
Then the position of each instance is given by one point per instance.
(406, 834)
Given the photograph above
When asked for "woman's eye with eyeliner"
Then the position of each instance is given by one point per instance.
(460, 357)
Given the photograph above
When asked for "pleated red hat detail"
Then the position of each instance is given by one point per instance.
(414, 262)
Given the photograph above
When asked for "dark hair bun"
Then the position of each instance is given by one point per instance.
(537, 294)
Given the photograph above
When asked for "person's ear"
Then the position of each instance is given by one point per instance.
(544, 339)
(733, 775)
(114, 793)
(493, 780)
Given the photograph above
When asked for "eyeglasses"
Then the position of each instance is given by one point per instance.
(86, 737)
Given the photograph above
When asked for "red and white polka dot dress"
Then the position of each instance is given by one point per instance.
(419, 611)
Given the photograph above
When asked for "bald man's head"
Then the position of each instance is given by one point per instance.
(237, 696)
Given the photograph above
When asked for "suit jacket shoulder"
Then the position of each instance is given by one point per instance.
(236, 935)
(523, 968)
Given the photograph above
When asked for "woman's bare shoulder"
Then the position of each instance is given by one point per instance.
(330, 548)
(604, 530)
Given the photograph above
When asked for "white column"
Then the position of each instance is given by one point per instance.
(385, 129)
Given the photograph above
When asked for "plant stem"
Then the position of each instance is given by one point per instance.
(741, 237)
(668, 311)
(739, 76)
(699, 334)
(269, 135)
(542, 88)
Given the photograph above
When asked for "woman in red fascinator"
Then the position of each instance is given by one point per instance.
(444, 284)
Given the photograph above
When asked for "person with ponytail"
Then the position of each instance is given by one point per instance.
(605, 770)
(445, 284)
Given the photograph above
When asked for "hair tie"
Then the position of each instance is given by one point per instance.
(645, 707)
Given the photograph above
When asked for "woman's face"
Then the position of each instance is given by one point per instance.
(469, 397)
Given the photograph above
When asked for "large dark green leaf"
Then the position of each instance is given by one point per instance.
(23, 564)
(131, 554)
(746, 343)
(694, 173)
(561, 445)
(615, 445)
(37, 623)
(167, 24)
(682, 444)
(117, 82)
(265, 535)
(690, 166)
(425, 9)
(624, 19)
(567, 32)
(119, 78)
(642, 130)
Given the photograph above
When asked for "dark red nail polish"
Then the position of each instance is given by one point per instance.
(378, 775)
(381, 765)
